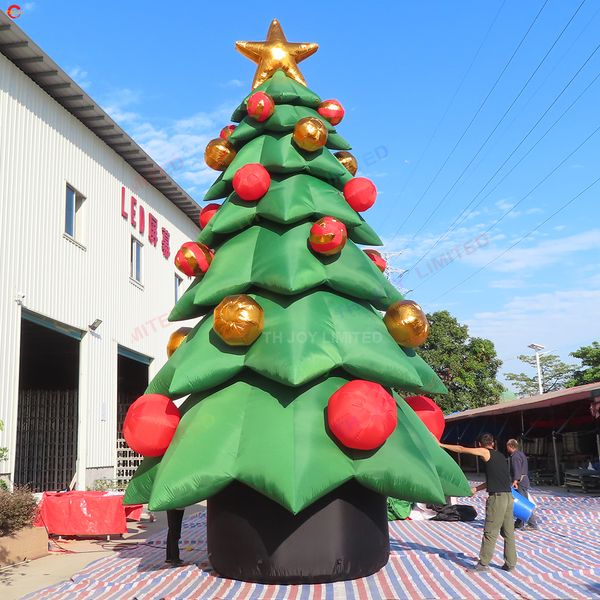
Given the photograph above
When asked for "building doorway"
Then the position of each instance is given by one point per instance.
(132, 375)
(47, 418)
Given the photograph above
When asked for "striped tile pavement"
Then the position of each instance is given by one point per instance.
(428, 560)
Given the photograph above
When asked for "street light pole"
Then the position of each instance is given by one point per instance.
(539, 372)
(537, 348)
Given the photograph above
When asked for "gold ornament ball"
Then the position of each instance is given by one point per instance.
(348, 161)
(176, 339)
(407, 323)
(218, 154)
(238, 320)
(310, 134)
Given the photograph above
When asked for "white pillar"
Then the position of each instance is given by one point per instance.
(539, 371)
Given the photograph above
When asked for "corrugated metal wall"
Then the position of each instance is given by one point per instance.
(42, 148)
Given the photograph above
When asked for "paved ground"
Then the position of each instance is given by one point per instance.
(15, 582)
(428, 560)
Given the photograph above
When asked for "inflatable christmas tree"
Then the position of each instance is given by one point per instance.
(291, 428)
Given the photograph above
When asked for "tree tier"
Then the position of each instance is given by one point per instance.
(278, 154)
(284, 120)
(289, 200)
(304, 337)
(275, 439)
(283, 90)
(277, 259)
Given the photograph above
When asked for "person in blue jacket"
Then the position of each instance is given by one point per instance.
(519, 472)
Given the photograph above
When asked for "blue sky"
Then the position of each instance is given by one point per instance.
(411, 75)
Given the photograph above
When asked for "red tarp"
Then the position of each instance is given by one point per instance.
(84, 513)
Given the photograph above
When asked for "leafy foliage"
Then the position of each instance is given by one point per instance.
(590, 367)
(555, 375)
(107, 485)
(17, 510)
(468, 366)
(3, 451)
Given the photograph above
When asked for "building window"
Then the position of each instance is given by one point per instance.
(74, 214)
(136, 260)
(178, 283)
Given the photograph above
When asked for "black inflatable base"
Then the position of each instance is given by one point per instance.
(344, 535)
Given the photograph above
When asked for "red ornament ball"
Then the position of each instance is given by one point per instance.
(429, 412)
(362, 415)
(207, 213)
(260, 106)
(360, 193)
(227, 131)
(376, 257)
(150, 424)
(328, 236)
(193, 259)
(251, 182)
(331, 110)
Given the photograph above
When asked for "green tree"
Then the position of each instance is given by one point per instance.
(468, 366)
(589, 372)
(256, 414)
(555, 375)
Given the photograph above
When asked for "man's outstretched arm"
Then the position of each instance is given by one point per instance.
(481, 452)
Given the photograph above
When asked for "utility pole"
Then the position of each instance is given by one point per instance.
(537, 348)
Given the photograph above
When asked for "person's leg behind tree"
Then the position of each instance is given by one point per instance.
(507, 531)
(174, 521)
(494, 517)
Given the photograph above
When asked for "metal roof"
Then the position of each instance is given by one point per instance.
(41, 69)
(580, 392)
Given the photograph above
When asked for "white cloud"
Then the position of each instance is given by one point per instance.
(234, 83)
(472, 215)
(543, 254)
(80, 76)
(118, 103)
(177, 145)
(507, 284)
(507, 207)
(504, 205)
(593, 281)
(457, 245)
(560, 320)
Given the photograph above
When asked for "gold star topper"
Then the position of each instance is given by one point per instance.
(276, 53)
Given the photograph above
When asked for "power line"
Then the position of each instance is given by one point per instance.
(560, 209)
(450, 103)
(537, 185)
(472, 119)
(515, 149)
(543, 180)
(551, 71)
(516, 164)
(487, 139)
(549, 74)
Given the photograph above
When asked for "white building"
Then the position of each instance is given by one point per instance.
(89, 227)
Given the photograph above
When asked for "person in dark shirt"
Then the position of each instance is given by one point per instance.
(519, 473)
(499, 506)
